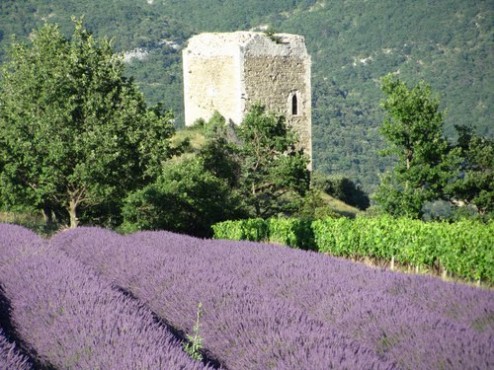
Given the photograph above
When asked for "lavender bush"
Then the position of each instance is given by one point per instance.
(266, 306)
(72, 318)
(10, 357)
(16, 241)
(241, 326)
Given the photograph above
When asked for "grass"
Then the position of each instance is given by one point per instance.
(195, 136)
(30, 220)
(340, 207)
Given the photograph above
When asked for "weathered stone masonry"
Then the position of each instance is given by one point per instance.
(229, 72)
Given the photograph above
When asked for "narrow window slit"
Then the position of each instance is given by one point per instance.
(294, 105)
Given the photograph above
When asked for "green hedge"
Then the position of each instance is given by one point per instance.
(293, 232)
(464, 249)
(254, 229)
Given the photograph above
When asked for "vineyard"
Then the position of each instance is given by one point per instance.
(91, 298)
(462, 249)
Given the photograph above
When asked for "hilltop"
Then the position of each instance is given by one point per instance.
(353, 44)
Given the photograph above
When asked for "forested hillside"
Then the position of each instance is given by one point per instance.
(449, 43)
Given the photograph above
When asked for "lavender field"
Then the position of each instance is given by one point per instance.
(90, 298)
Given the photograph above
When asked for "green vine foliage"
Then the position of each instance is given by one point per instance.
(253, 229)
(462, 249)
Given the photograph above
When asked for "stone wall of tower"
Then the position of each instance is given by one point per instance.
(272, 81)
(229, 72)
(209, 86)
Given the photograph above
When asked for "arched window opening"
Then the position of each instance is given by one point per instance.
(294, 105)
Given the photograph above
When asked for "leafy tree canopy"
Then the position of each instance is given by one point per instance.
(74, 132)
(424, 159)
(273, 169)
(259, 159)
(475, 183)
(185, 198)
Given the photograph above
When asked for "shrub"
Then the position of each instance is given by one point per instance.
(292, 232)
(463, 248)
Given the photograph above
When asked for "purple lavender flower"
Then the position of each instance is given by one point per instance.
(72, 318)
(10, 357)
(263, 306)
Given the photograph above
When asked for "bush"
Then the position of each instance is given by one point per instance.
(253, 229)
(463, 249)
(186, 198)
(292, 232)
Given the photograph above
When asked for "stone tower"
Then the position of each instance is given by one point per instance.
(229, 72)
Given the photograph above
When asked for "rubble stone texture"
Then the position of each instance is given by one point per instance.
(230, 72)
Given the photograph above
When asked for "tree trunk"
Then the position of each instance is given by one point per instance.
(74, 221)
(47, 215)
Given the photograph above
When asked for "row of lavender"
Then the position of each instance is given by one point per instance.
(64, 315)
(242, 325)
(10, 356)
(265, 306)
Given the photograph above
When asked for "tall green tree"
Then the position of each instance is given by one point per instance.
(475, 183)
(74, 132)
(185, 198)
(273, 170)
(413, 129)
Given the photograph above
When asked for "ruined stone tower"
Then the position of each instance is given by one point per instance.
(229, 72)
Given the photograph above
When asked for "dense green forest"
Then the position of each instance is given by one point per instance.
(449, 43)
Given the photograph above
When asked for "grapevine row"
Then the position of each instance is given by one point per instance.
(462, 249)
